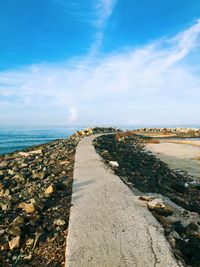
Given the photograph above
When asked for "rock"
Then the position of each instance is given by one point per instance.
(7, 193)
(32, 201)
(4, 207)
(88, 131)
(3, 165)
(39, 151)
(59, 222)
(65, 162)
(29, 242)
(1, 186)
(191, 228)
(18, 220)
(10, 172)
(113, 164)
(28, 257)
(19, 178)
(180, 187)
(51, 162)
(2, 232)
(60, 186)
(33, 152)
(28, 208)
(155, 203)
(190, 249)
(49, 190)
(160, 208)
(38, 175)
(146, 198)
(24, 165)
(24, 154)
(14, 243)
(178, 227)
(15, 231)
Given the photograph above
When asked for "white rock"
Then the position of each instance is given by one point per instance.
(156, 202)
(114, 164)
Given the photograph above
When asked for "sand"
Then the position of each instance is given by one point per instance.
(185, 157)
(184, 142)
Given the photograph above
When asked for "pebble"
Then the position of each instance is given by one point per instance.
(113, 164)
(14, 243)
(49, 190)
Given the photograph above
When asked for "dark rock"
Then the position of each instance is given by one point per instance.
(191, 229)
(60, 186)
(178, 227)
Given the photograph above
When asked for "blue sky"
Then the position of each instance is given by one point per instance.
(99, 62)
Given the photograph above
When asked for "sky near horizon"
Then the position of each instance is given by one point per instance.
(75, 62)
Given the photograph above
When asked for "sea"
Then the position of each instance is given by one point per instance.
(18, 138)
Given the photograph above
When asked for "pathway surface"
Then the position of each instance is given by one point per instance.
(109, 226)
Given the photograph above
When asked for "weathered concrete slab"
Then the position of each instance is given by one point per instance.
(108, 225)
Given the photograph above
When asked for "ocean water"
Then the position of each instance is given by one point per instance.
(19, 138)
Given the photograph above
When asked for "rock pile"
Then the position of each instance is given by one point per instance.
(35, 192)
(35, 199)
(179, 132)
(95, 130)
(150, 175)
(181, 228)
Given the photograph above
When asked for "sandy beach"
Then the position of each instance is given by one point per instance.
(179, 155)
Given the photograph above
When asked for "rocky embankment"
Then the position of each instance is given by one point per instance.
(173, 198)
(35, 199)
(176, 132)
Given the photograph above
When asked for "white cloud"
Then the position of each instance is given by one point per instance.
(147, 84)
(184, 42)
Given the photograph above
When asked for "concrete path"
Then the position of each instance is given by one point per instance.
(109, 226)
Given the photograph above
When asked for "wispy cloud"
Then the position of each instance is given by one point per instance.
(144, 85)
(104, 10)
(95, 13)
(184, 42)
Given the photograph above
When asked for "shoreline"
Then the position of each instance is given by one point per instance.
(35, 201)
(35, 185)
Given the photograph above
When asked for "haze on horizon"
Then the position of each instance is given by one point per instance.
(99, 62)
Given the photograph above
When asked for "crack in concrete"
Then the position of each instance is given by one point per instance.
(156, 260)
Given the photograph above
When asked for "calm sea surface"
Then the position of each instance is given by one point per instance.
(19, 138)
(12, 139)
